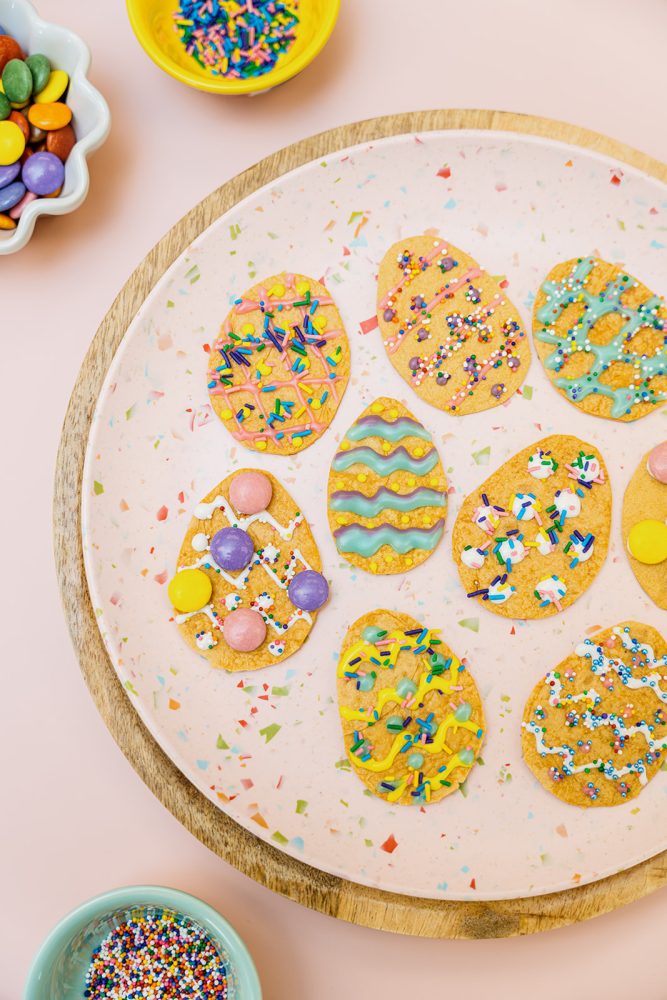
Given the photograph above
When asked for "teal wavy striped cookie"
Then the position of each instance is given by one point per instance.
(387, 492)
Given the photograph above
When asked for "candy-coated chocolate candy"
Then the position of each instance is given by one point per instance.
(54, 194)
(5, 107)
(40, 70)
(244, 630)
(50, 116)
(43, 173)
(17, 82)
(11, 195)
(9, 49)
(232, 548)
(12, 143)
(308, 590)
(657, 463)
(6, 222)
(61, 142)
(9, 174)
(250, 492)
(55, 87)
(17, 210)
(647, 542)
(22, 122)
(190, 590)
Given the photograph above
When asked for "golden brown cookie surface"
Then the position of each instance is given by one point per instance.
(250, 541)
(387, 491)
(411, 714)
(534, 535)
(644, 524)
(600, 335)
(448, 326)
(594, 731)
(280, 366)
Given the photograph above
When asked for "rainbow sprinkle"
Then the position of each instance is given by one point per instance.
(236, 39)
(157, 953)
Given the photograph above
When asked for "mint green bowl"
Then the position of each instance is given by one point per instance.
(58, 971)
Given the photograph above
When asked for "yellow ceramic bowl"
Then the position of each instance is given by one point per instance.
(153, 24)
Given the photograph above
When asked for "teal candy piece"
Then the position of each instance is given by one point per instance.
(372, 634)
(406, 687)
(415, 760)
(5, 108)
(367, 682)
(40, 70)
(388, 430)
(384, 499)
(463, 712)
(17, 81)
(383, 465)
(438, 660)
(394, 724)
(466, 756)
(366, 541)
(563, 293)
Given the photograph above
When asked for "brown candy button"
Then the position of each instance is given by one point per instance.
(60, 142)
(9, 49)
(22, 122)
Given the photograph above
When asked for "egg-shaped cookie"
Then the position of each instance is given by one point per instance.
(600, 334)
(279, 368)
(594, 730)
(249, 577)
(533, 537)
(387, 491)
(411, 714)
(448, 326)
(644, 524)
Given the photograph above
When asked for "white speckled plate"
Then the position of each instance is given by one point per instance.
(266, 747)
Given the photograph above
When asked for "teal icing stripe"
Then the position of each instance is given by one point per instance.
(382, 465)
(366, 541)
(384, 499)
(388, 430)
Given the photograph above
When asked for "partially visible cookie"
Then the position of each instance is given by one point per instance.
(533, 537)
(387, 491)
(644, 524)
(448, 326)
(600, 334)
(279, 368)
(412, 717)
(249, 581)
(594, 731)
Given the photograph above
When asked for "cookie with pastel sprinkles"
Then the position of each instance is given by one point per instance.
(411, 714)
(644, 524)
(387, 491)
(249, 580)
(449, 327)
(278, 370)
(532, 538)
(602, 338)
(594, 730)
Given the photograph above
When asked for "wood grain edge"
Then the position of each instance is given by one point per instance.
(255, 858)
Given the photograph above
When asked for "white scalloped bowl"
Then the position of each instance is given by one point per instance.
(91, 117)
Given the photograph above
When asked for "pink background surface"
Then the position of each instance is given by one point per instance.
(88, 823)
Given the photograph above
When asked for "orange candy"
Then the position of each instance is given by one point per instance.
(48, 117)
(22, 122)
(6, 222)
(60, 142)
(9, 49)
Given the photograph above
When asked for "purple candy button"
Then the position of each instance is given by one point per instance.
(43, 173)
(232, 548)
(11, 195)
(308, 590)
(9, 173)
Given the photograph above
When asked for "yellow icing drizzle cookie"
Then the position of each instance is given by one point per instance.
(644, 524)
(411, 715)
(279, 368)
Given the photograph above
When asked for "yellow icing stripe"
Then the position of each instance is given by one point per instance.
(437, 746)
(365, 650)
(389, 694)
(398, 791)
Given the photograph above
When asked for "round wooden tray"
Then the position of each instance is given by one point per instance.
(262, 862)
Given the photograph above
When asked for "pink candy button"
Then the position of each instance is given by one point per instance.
(657, 461)
(250, 492)
(244, 630)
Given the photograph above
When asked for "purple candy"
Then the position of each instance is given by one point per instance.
(308, 590)
(388, 315)
(43, 173)
(232, 548)
(9, 173)
(447, 263)
(11, 195)
(413, 364)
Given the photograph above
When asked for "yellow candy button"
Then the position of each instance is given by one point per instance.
(277, 291)
(190, 590)
(12, 143)
(647, 542)
(55, 87)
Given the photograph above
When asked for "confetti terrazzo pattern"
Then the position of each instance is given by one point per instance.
(242, 739)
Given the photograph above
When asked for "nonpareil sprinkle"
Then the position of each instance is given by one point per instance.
(236, 39)
(161, 955)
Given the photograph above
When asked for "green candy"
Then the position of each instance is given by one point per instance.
(40, 70)
(17, 81)
(5, 108)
